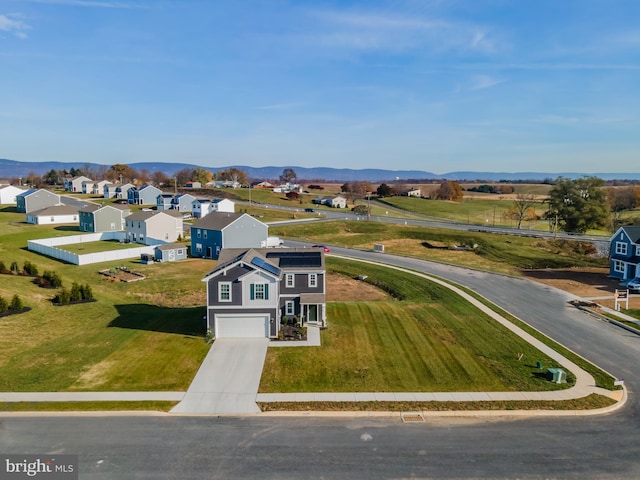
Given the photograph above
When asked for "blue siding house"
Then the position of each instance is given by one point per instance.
(624, 254)
(220, 230)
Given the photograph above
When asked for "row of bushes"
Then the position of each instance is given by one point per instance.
(15, 305)
(78, 293)
(27, 269)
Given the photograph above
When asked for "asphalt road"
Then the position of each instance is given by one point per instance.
(345, 448)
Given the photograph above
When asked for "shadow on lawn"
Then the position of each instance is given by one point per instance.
(181, 321)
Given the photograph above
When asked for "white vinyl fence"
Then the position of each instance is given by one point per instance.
(49, 247)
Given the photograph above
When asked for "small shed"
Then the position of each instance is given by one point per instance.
(170, 252)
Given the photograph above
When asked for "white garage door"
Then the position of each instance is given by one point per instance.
(242, 326)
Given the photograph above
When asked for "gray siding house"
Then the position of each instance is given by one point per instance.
(109, 190)
(163, 201)
(153, 228)
(75, 184)
(219, 230)
(108, 218)
(182, 202)
(201, 207)
(251, 292)
(145, 195)
(33, 200)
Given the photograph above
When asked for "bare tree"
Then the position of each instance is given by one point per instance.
(522, 208)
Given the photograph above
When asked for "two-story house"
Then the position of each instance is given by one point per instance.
(75, 184)
(201, 207)
(624, 254)
(102, 218)
(153, 228)
(252, 291)
(218, 230)
(36, 199)
(163, 201)
(144, 195)
(182, 202)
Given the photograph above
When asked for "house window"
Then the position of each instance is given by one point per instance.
(621, 248)
(224, 292)
(179, 252)
(313, 279)
(618, 266)
(166, 236)
(290, 280)
(204, 234)
(198, 248)
(637, 250)
(259, 291)
(198, 234)
(290, 307)
(53, 219)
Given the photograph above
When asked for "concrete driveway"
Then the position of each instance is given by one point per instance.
(228, 379)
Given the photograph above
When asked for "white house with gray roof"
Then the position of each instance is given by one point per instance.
(53, 215)
(153, 227)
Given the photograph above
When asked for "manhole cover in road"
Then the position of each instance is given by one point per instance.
(412, 417)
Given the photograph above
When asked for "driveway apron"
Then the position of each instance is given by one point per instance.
(228, 379)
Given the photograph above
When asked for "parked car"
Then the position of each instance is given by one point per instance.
(310, 210)
(323, 247)
(634, 285)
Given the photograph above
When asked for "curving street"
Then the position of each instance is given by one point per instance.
(159, 446)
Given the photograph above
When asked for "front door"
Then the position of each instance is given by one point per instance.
(209, 253)
(312, 313)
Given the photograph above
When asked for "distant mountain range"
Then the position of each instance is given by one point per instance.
(14, 168)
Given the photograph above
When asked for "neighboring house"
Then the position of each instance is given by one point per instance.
(170, 252)
(98, 218)
(54, 214)
(288, 187)
(75, 184)
(163, 201)
(183, 202)
(8, 194)
(87, 186)
(220, 230)
(153, 228)
(414, 192)
(201, 207)
(36, 199)
(109, 190)
(251, 291)
(335, 202)
(98, 187)
(144, 195)
(223, 184)
(193, 185)
(624, 254)
(264, 184)
(121, 191)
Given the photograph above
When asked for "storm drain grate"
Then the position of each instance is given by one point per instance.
(412, 417)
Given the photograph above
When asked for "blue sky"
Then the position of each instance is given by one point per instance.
(433, 85)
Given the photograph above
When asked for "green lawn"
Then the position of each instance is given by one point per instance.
(145, 335)
(428, 340)
(99, 246)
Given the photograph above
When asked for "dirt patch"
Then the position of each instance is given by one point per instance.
(588, 283)
(341, 288)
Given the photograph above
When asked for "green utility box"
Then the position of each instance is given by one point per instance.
(557, 375)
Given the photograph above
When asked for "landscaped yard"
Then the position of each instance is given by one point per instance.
(425, 340)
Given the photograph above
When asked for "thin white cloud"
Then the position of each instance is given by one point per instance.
(392, 31)
(480, 82)
(11, 23)
(91, 3)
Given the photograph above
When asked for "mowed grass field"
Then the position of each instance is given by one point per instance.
(146, 335)
(427, 340)
(498, 253)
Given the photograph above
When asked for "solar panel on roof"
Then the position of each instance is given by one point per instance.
(259, 262)
(297, 259)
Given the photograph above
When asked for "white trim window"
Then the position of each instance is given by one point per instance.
(313, 279)
(290, 307)
(621, 248)
(290, 281)
(224, 291)
(618, 266)
(637, 250)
